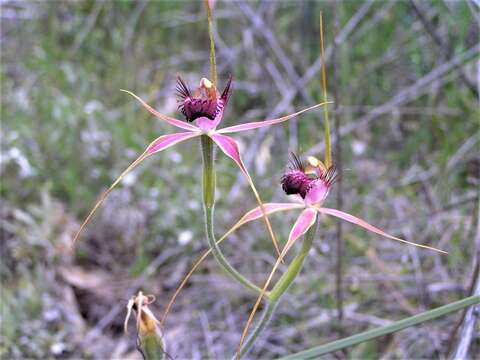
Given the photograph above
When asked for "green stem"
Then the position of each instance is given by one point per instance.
(317, 351)
(328, 147)
(209, 208)
(152, 347)
(213, 62)
(280, 288)
(295, 266)
(261, 325)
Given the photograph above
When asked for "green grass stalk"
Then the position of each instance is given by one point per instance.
(317, 351)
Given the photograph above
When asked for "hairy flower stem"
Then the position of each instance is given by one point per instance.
(209, 205)
(279, 289)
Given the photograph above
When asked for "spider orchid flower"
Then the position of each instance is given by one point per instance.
(203, 110)
(308, 185)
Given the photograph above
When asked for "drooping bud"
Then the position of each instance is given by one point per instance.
(150, 341)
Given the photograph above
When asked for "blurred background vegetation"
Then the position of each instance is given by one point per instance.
(406, 84)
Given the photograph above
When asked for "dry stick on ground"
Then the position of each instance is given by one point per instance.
(412, 92)
(444, 46)
(471, 314)
(467, 332)
(290, 95)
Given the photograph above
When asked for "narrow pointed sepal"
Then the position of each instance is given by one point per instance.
(165, 141)
(230, 147)
(304, 222)
(161, 143)
(170, 120)
(264, 123)
(362, 223)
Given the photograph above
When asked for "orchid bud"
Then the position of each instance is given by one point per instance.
(149, 336)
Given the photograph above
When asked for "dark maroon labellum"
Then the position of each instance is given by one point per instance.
(296, 181)
(203, 103)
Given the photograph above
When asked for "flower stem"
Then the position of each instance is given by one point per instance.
(261, 325)
(279, 289)
(328, 147)
(209, 206)
(213, 62)
(295, 266)
(152, 347)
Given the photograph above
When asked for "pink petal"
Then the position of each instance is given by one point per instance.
(270, 208)
(161, 143)
(205, 124)
(230, 147)
(172, 121)
(259, 124)
(317, 193)
(365, 225)
(165, 141)
(304, 222)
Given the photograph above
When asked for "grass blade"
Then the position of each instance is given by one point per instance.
(384, 330)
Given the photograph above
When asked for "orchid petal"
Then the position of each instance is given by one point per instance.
(230, 147)
(254, 214)
(367, 226)
(270, 208)
(172, 121)
(161, 143)
(304, 222)
(260, 124)
(165, 141)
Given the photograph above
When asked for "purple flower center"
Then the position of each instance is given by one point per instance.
(204, 102)
(296, 181)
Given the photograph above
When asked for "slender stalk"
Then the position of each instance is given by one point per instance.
(261, 325)
(328, 148)
(384, 330)
(295, 266)
(213, 61)
(209, 206)
(279, 289)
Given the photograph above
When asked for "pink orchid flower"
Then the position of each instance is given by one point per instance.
(309, 186)
(203, 110)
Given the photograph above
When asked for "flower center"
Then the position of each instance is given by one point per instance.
(205, 102)
(202, 103)
(312, 183)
